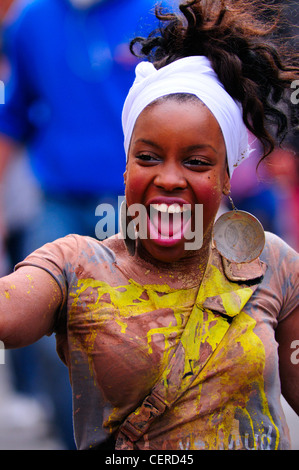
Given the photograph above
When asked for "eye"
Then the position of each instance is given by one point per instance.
(197, 163)
(147, 159)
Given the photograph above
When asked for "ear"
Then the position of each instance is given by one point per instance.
(226, 184)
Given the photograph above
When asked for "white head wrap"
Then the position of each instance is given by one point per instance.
(193, 75)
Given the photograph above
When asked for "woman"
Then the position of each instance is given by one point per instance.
(169, 344)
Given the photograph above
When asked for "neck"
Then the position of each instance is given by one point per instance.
(186, 272)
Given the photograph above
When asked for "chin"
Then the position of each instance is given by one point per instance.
(164, 253)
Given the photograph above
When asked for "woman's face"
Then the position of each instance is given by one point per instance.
(176, 161)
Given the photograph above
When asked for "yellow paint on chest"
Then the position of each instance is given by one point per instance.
(236, 354)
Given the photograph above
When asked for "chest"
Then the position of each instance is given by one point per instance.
(128, 333)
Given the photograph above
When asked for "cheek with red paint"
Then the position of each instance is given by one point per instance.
(209, 194)
(134, 186)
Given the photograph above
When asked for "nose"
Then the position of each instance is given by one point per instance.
(170, 177)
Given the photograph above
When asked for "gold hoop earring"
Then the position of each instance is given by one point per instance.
(238, 235)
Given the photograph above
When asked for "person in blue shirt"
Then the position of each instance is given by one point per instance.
(70, 71)
(71, 68)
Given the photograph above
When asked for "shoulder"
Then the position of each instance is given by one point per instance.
(282, 274)
(80, 245)
(109, 249)
(73, 254)
(277, 251)
(81, 248)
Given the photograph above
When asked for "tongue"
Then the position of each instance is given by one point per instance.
(167, 225)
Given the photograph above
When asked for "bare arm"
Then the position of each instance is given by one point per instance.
(287, 335)
(29, 300)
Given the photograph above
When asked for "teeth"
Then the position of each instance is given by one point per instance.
(175, 209)
(172, 209)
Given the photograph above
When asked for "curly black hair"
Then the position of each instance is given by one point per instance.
(241, 38)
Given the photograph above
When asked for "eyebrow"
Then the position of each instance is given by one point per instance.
(200, 146)
(186, 149)
(149, 142)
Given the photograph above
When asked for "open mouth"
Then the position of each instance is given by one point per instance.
(168, 222)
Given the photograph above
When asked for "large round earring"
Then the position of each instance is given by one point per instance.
(238, 235)
(127, 230)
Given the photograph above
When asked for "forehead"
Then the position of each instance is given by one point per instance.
(176, 99)
(183, 115)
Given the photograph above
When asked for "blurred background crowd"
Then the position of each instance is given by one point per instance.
(67, 68)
